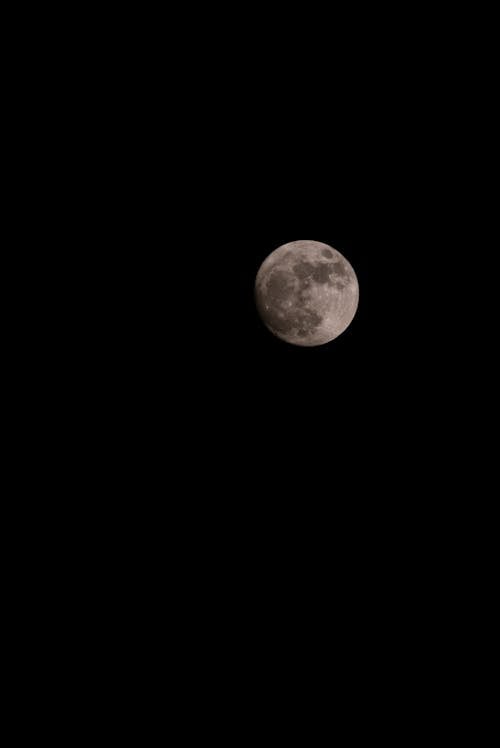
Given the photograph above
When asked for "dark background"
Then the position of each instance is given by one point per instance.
(196, 162)
(244, 410)
(182, 166)
(260, 508)
(210, 177)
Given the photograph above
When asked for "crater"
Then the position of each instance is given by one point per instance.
(327, 253)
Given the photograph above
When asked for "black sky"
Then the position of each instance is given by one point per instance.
(225, 169)
(272, 506)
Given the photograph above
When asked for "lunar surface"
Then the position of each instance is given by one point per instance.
(306, 293)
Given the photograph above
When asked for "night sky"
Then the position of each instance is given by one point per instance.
(267, 514)
(243, 434)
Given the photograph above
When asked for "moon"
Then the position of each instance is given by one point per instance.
(306, 293)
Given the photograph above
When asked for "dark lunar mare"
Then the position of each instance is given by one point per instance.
(340, 269)
(318, 271)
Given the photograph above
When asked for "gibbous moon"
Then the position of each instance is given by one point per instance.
(306, 293)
